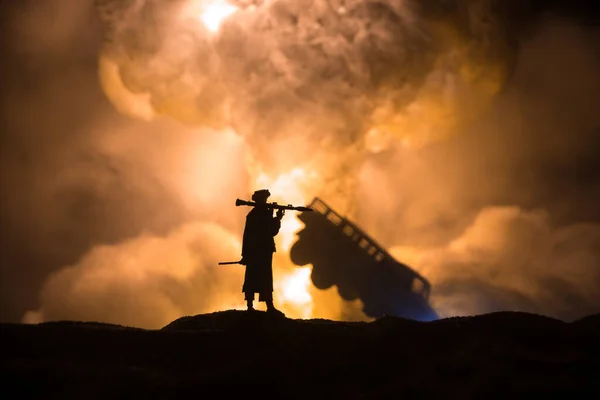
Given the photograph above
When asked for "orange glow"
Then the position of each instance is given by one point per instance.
(211, 12)
(295, 294)
(137, 105)
(291, 284)
(289, 227)
(289, 187)
(221, 85)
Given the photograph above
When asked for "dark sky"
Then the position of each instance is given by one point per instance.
(51, 105)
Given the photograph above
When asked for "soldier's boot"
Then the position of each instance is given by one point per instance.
(250, 306)
(271, 308)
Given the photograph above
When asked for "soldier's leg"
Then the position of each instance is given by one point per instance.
(269, 300)
(249, 300)
(267, 284)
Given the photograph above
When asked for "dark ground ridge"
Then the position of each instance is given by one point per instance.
(497, 354)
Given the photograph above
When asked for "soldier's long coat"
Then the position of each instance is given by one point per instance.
(258, 247)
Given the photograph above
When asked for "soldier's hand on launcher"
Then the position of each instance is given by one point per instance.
(280, 213)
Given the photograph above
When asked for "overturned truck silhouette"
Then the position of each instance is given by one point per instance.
(343, 255)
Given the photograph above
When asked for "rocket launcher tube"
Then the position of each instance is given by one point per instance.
(272, 206)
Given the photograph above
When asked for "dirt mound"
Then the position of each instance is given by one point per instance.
(84, 324)
(227, 321)
(502, 321)
(244, 322)
(591, 322)
(494, 355)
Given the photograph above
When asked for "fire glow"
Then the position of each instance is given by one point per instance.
(214, 12)
(288, 87)
(292, 288)
(295, 292)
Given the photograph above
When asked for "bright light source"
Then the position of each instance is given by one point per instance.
(295, 287)
(214, 13)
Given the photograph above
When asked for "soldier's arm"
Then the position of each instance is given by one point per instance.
(276, 225)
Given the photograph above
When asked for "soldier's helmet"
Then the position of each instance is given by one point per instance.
(261, 195)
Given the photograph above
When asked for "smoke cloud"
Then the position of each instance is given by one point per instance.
(511, 259)
(504, 214)
(304, 80)
(464, 143)
(146, 280)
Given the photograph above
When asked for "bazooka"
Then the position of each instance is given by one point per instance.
(272, 206)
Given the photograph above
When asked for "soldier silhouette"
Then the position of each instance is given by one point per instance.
(258, 247)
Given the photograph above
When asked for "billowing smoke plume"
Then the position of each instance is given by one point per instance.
(505, 217)
(456, 150)
(303, 81)
(511, 259)
(143, 281)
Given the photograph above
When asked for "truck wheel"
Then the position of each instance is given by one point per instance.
(322, 279)
(300, 253)
(347, 293)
